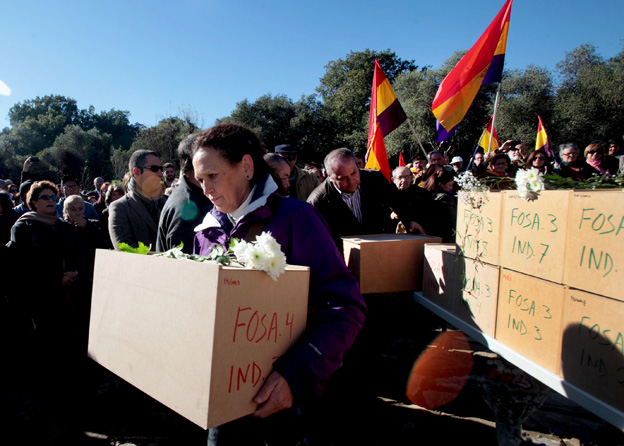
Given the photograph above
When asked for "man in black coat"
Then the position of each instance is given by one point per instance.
(186, 207)
(357, 201)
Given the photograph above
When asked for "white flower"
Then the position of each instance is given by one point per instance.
(268, 243)
(240, 249)
(276, 265)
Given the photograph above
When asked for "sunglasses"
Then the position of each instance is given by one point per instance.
(13, 191)
(153, 168)
(514, 150)
(591, 152)
(48, 198)
(540, 158)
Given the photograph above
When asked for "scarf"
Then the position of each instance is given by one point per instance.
(596, 165)
(49, 220)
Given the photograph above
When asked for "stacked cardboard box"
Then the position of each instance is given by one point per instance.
(559, 299)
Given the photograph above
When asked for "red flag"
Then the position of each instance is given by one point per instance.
(386, 114)
(401, 160)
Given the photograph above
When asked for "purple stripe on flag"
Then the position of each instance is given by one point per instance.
(391, 117)
(495, 70)
(443, 135)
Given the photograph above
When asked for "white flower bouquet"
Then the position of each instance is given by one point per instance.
(529, 183)
(263, 254)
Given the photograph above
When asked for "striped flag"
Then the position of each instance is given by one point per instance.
(541, 141)
(483, 64)
(386, 114)
(484, 141)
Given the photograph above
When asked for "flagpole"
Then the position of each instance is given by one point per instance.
(416, 136)
(494, 117)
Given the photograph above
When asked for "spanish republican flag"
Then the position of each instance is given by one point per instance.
(542, 138)
(484, 141)
(483, 64)
(386, 114)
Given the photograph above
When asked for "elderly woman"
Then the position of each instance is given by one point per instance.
(228, 163)
(570, 165)
(594, 154)
(538, 159)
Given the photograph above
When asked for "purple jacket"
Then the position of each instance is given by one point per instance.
(336, 308)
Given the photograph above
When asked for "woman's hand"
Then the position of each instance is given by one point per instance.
(275, 395)
(80, 222)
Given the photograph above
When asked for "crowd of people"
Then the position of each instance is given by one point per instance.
(229, 187)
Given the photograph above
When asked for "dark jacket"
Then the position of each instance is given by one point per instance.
(378, 199)
(185, 208)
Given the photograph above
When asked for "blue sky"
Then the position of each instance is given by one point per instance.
(160, 58)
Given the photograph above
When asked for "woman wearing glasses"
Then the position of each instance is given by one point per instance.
(594, 165)
(570, 166)
(46, 252)
(538, 159)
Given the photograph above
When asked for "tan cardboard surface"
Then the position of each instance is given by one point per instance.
(197, 337)
(595, 253)
(477, 301)
(592, 355)
(533, 238)
(439, 284)
(387, 263)
(478, 229)
(530, 316)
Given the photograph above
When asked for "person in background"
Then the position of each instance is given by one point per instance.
(457, 163)
(71, 186)
(594, 165)
(134, 217)
(357, 202)
(570, 166)
(538, 159)
(416, 200)
(169, 175)
(22, 208)
(279, 169)
(446, 207)
(360, 159)
(186, 207)
(228, 162)
(302, 182)
(8, 217)
(499, 168)
(113, 192)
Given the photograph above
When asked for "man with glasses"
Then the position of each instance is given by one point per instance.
(71, 186)
(302, 182)
(134, 217)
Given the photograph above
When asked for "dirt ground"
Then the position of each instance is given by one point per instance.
(365, 402)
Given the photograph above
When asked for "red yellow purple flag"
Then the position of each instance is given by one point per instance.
(484, 141)
(386, 114)
(541, 141)
(483, 64)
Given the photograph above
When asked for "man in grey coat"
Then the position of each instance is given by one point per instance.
(134, 217)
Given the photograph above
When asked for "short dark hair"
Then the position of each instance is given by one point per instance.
(138, 158)
(185, 152)
(67, 178)
(168, 165)
(233, 142)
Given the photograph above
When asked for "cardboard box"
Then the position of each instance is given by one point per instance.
(592, 355)
(387, 263)
(439, 279)
(533, 238)
(476, 302)
(530, 312)
(198, 337)
(478, 226)
(594, 259)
